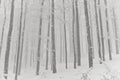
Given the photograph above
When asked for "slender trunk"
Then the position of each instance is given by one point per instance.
(116, 32)
(73, 26)
(53, 39)
(19, 42)
(48, 40)
(7, 53)
(22, 42)
(108, 31)
(78, 33)
(101, 29)
(3, 27)
(91, 30)
(39, 40)
(47, 51)
(64, 16)
(98, 30)
(88, 34)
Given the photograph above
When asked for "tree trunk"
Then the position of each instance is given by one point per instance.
(19, 41)
(108, 31)
(7, 53)
(91, 30)
(73, 26)
(88, 34)
(98, 30)
(39, 39)
(78, 33)
(3, 27)
(64, 16)
(22, 42)
(53, 39)
(48, 39)
(101, 29)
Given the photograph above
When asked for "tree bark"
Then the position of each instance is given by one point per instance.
(98, 30)
(73, 32)
(88, 34)
(19, 42)
(108, 31)
(3, 27)
(78, 33)
(7, 53)
(53, 39)
(65, 35)
(48, 39)
(22, 42)
(39, 40)
(101, 29)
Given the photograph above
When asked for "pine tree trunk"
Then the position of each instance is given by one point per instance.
(78, 33)
(19, 42)
(101, 29)
(48, 40)
(98, 30)
(39, 40)
(7, 53)
(53, 39)
(91, 30)
(108, 31)
(64, 16)
(3, 27)
(88, 34)
(73, 29)
(22, 42)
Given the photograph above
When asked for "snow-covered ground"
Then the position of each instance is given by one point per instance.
(109, 70)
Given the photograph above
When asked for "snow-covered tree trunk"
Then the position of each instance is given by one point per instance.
(19, 42)
(39, 39)
(65, 35)
(3, 27)
(22, 38)
(73, 31)
(88, 27)
(108, 31)
(53, 39)
(78, 33)
(101, 31)
(7, 53)
(98, 29)
(48, 39)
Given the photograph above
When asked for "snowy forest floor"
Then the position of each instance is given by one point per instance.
(109, 70)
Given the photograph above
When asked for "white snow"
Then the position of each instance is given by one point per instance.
(109, 70)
